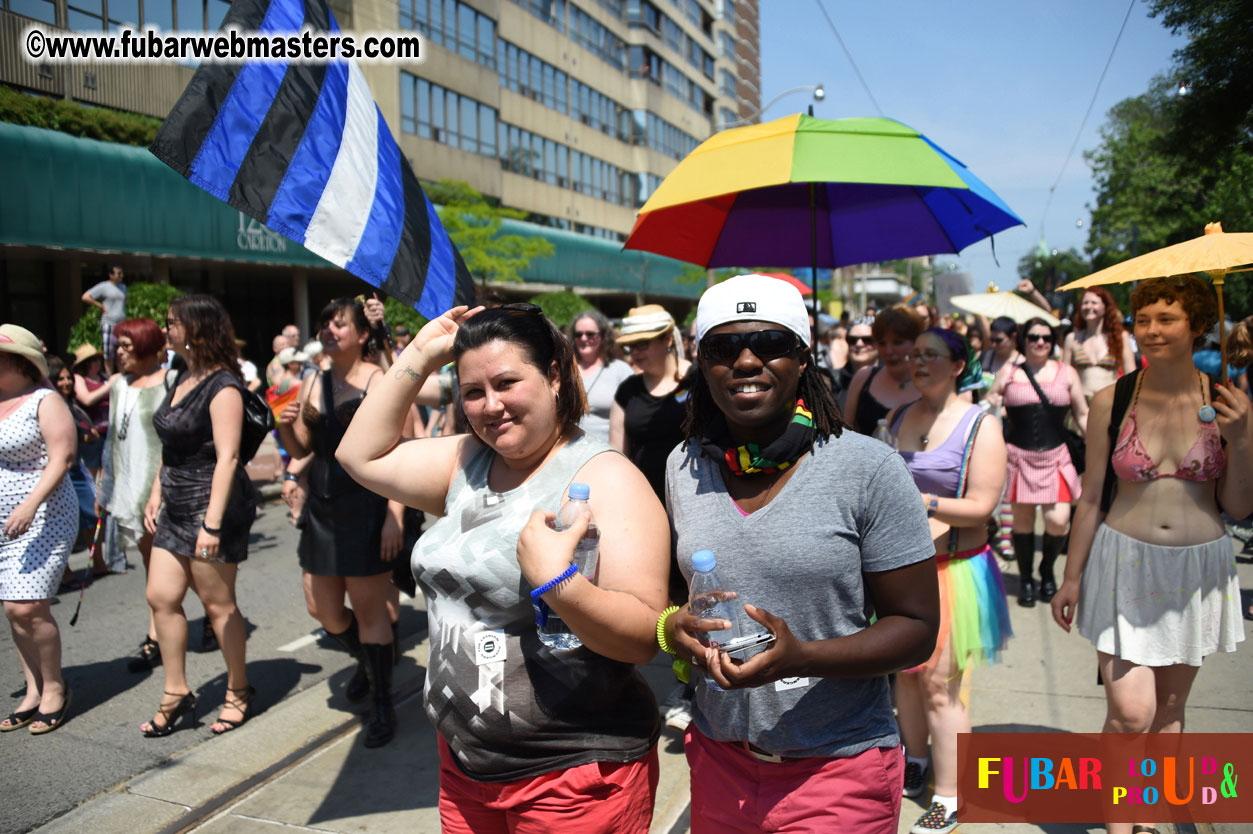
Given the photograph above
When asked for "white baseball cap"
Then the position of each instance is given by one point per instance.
(752, 297)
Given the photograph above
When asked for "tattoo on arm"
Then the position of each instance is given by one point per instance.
(401, 373)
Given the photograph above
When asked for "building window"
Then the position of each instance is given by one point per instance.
(727, 83)
(41, 10)
(726, 45)
(433, 112)
(552, 12)
(595, 38)
(453, 25)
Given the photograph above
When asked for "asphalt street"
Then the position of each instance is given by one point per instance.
(101, 746)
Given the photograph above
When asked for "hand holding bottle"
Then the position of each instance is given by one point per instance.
(782, 658)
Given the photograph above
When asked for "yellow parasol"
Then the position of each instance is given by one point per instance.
(994, 304)
(1215, 253)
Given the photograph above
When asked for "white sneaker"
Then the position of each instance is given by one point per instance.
(676, 710)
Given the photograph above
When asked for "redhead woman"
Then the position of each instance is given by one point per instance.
(877, 390)
(1098, 349)
(1151, 571)
(201, 509)
(530, 738)
(960, 471)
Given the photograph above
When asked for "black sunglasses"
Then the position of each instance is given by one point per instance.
(1039, 337)
(861, 340)
(765, 344)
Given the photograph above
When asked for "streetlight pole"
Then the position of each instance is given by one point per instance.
(816, 89)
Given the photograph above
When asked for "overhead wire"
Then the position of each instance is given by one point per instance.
(1092, 103)
(822, 8)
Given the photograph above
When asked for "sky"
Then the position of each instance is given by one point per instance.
(1000, 85)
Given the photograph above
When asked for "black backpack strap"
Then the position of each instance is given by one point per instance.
(1124, 389)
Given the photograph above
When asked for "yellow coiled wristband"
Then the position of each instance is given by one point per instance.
(661, 630)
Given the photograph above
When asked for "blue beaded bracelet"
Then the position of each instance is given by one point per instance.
(541, 607)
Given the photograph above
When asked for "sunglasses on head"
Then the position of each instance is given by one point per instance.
(765, 344)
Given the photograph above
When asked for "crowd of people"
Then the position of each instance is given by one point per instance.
(855, 480)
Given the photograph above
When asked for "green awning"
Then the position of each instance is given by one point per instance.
(82, 194)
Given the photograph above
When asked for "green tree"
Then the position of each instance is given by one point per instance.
(473, 225)
(144, 300)
(561, 307)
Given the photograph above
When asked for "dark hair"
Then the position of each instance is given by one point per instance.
(355, 311)
(208, 331)
(1193, 295)
(1005, 326)
(55, 365)
(145, 336)
(606, 332)
(1035, 321)
(1111, 322)
(701, 408)
(900, 320)
(25, 366)
(541, 344)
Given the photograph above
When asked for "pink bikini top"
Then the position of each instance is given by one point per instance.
(1205, 461)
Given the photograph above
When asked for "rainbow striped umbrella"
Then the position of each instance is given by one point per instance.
(801, 191)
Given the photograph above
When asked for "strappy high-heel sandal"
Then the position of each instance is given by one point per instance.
(240, 703)
(148, 657)
(186, 703)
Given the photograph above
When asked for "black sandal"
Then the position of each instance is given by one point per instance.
(51, 721)
(19, 719)
(186, 703)
(149, 657)
(241, 704)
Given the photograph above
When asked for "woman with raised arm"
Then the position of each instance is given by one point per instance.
(1151, 571)
(877, 390)
(349, 536)
(814, 527)
(1037, 392)
(1098, 348)
(957, 457)
(201, 509)
(528, 735)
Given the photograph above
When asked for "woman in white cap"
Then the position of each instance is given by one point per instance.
(38, 511)
(646, 419)
(814, 526)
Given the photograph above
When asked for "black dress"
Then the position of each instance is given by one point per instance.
(342, 525)
(188, 459)
(653, 425)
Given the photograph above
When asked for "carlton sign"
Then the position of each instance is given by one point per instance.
(252, 236)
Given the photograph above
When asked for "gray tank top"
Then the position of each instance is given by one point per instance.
(538, 709)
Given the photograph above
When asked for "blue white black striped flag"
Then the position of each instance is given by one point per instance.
(303, 148)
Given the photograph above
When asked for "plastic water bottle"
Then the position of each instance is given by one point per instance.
(555, 633)
(709, 599)
(882, 433)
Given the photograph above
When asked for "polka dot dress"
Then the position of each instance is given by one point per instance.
(31, 565)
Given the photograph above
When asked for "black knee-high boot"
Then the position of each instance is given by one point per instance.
(395, 644)
(1024, 552)
(359, 686)
(1049, 551)
(380, 720)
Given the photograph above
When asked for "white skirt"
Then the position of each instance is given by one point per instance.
(1159, 606)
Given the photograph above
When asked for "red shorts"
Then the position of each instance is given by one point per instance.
(595, 798)
(734, 791)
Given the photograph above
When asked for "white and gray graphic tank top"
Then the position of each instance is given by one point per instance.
(538, 709)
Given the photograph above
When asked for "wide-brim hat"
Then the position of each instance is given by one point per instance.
(644, 323)
(84, 352)
(19, 340)
(312, 349)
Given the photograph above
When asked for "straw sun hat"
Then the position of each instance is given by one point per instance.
(644, 323)
(19, 340)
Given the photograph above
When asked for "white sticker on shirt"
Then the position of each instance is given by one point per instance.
(489, 647)
(784, 684)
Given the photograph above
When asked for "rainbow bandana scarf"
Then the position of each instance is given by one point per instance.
(779, 455)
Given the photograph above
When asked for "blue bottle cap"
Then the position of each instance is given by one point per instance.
(579, 492)
(703, 560)
(1206, 413)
